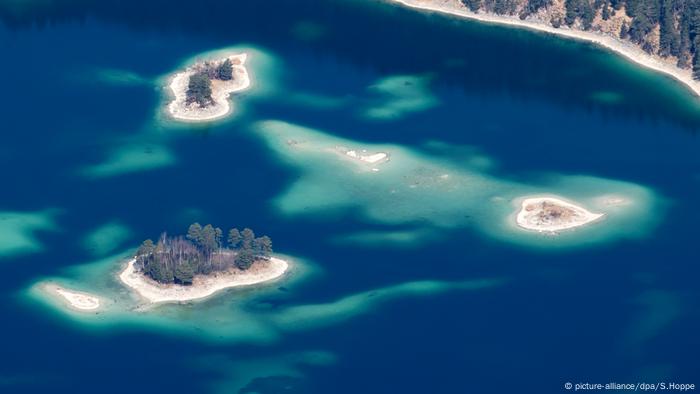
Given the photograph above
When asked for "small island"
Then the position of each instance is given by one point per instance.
(75, 299)
(363, 156)
(551, 214)
(196, 266)
(202, 90)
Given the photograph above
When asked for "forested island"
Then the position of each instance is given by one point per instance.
(201, 91)
(199, 85)
(200, 263)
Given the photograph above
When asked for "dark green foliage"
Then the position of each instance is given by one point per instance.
(502, 7)
(184, 273)
(178, 259)
(624, 31)
(210, 239)
(684, 49)
(696, 60)
(669, 36)
(162, 273)
(533, 6)
(194, 233)
(147, 247)
(473, 5)
(247, 238)
(225, 70)
(645, 15)
(234, 238)
(579, 9)
(617, 4)
(263, 246)
(244, 259)
(199, 89)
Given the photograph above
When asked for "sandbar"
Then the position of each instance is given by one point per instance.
(202, 286)
(551, 214)
(75, 299)
(220, 92)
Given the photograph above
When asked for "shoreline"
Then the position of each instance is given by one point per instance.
(221, 93)
(532, 214)
(203, 286)
(76, 300)
(627, 50)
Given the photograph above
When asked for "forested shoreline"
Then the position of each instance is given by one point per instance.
(667, 28)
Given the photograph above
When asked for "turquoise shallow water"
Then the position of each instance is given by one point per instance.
(405, 280)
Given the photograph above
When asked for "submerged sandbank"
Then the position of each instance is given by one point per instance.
(220, 92)
(202, 286)
(74, 299)
(551, 214)
(621, 47)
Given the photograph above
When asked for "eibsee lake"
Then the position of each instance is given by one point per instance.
(408, 279)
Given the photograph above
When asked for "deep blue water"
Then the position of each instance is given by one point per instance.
(624, 311)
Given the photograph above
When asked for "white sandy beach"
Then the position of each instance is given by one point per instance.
(363, 156)
(551, 214)
(624, 48)
(203, 286)
(74, 299)
(221, 90)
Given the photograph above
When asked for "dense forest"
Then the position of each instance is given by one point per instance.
(199, 86)
(668, 28)
(201, 251)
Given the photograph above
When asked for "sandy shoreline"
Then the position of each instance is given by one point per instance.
(221, 90)
(74, 299)
(202, 287)
(551, 214)
(626, 49)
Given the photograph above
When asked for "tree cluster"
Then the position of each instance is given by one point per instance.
(202, 251)
(199, 89)
(199, 85)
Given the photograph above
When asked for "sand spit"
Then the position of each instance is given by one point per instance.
(75, 299)
(550, 214)
(221, 90)
(203, 286)
(624, 48)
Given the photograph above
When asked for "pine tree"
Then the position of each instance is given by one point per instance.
(194, 233)
(473, 5)
(146, 248)
(225, 71)
(199, 89)
(247, 238)
(696, 60)
(244, 259)
(234, 238)
(184, 273)
(263, 246)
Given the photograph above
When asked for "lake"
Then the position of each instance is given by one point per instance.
(407, 279)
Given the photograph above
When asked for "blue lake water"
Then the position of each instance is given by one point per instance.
(405, 284)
